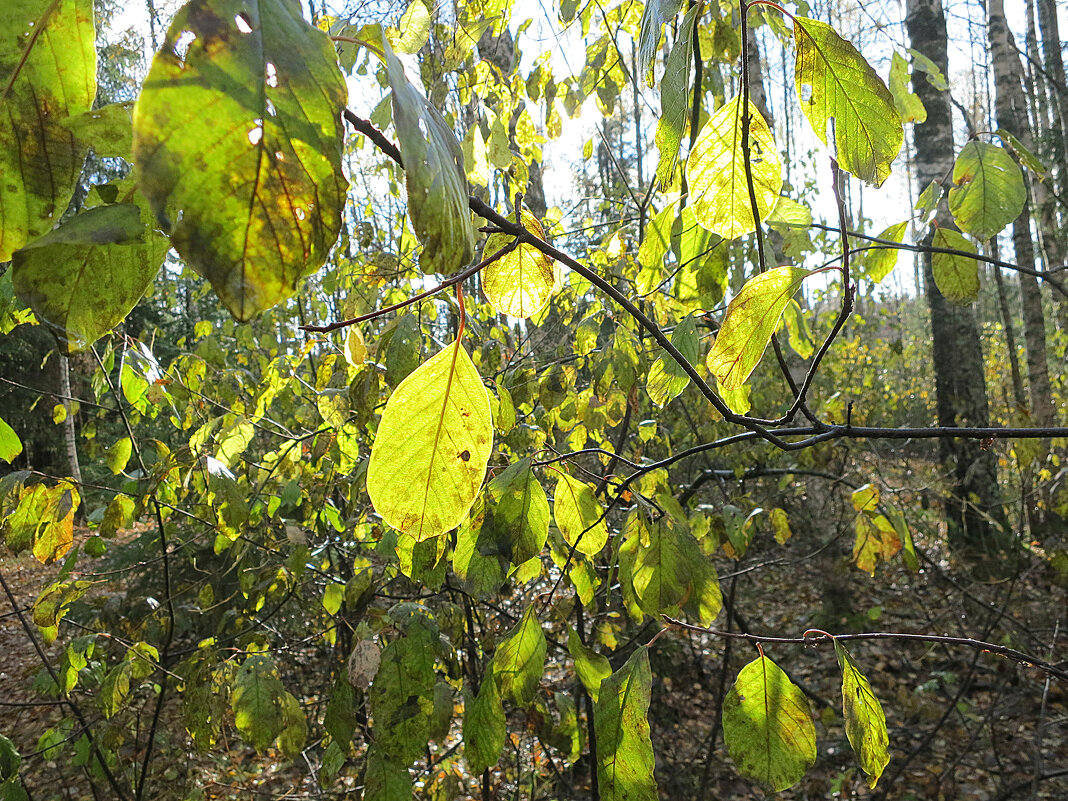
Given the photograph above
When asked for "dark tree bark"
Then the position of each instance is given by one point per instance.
(975, 503)
(1011, 105)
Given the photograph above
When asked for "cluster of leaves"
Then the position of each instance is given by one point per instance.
(263, 497)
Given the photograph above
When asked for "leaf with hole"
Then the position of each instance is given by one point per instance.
(252, 191)
(767, 726)
(432, 446)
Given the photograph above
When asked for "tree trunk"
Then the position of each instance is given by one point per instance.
(1054, 62)
(1011, 107)
(975, 501)
(70, 436)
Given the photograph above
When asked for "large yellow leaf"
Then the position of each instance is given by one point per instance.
(716, 170)
(521, 282)
(433, 443)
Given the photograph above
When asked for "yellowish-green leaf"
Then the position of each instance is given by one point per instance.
(934, 74)
(624, 749)
(432, 446)
(118, 455)
(434, 174)
(956, 275)
(667, 379)
(47, 76)
(674, 97)
(788, 212)
(521, 282)
(412, 31)
(257, 701)
(880, 263)
(767, 726)
(238, 140)
(355, 347)
(578, 515)
(591, 667)
(989, 192)
(751, 318)
(484, 726)
(835, 82)
(1030, 160)
(866, 498)
(907, 102)
(865, 723)
(10, 444)
(520, 658)
(716, 171)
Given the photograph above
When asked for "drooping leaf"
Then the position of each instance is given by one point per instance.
(51, 605)
(927, 202)
(53, 533)
(934, 74)
(989, 192)
(294, 734)
(716, 171)
(482, 553)
(876, 539)
(434, 174)
(521, 282)
(432, 446)
(519, 659)
(866, 498)
(751, 318)
(1029, 159)
(82, 279)
(385, 779)
(674, 97)
(10, 444)
(880, 263)
(484, 726)
(654, 14)
(956, 275)
(521, 509)
(257, 701)
(402, 695)
(591, 667)
(578, 515)
(667, 379)
(412, 30)
(767, 726)
(660, 575)
(865, 723)
(47, 75)
(624, 748)
(9, 760)
(907, 102)
(252, 191)
(834, 81)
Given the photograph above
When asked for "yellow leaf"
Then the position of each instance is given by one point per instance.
(521, 282)
(716, 170)
(433, 443)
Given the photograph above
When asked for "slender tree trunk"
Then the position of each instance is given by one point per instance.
(1011, 108)
(70, 435)
(958, 359)
(1054, 62)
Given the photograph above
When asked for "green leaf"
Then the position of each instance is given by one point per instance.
(484, 726)
(118, 455)
(52, 604)
(1030, 160)
(660, 575)
(654, 14)
(10, 444)
(402, 695)
(482, 553)
(257, 701)
(109, 129)
(333, 596)
(519, 659)
(834, 81)
(385, 778)
(880, 263)
(667, 379)
(751, 318)
(716, 170)
(907, 102)
(767, 726)
(251, 192)
(788, 212)
(521, 282)
(865, 723)
(47, 75)
(934, 74)
(989, 192)
(9, 760)
(579, 515)
(82, 279)
(591, 667)
(956, 276)
(434, 174)
(520, 510)
(624, 748)
(294, 734)
(674, 97)
(432, 446)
